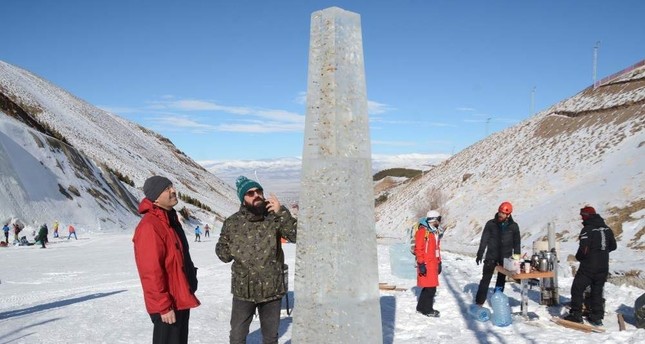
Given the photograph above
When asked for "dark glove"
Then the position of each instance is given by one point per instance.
(478, 260)
(439, 269)
(422, 269)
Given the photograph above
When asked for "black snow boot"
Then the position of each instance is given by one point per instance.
(574, 316)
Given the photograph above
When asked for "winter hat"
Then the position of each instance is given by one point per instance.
(243, 185)
(154, 186)
(587, 211)
(433, 215)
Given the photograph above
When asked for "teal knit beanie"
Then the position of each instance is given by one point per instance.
(243, 185)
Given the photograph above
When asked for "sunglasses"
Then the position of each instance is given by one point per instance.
(438, 219)
(252, 193)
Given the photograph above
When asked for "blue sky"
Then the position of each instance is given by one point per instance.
(225, 80)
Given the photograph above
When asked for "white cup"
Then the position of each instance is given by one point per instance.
(527, 268)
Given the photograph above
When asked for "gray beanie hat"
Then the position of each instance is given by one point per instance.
(154, 186)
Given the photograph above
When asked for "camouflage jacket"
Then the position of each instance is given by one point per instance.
(253, 244)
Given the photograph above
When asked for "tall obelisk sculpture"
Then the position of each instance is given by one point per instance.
(336, 274)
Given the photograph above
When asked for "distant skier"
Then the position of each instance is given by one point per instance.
(42, 235)
(16, 231)
(72, 231)
(6, 232)
(198, 233)
(207, 231)
(596, 240)
(55, 229)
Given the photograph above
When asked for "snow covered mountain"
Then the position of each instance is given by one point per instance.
(62, 158)
(588, 149)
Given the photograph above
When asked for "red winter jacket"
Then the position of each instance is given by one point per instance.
(158, 252)
(427, 249)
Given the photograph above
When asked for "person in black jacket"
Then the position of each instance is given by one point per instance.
(500, 239)
(596, 241)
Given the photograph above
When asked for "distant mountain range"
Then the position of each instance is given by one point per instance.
(282, 176)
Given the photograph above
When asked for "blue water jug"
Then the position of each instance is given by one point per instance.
(501, 309)
(479, 313)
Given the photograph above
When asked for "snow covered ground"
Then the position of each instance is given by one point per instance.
(88, 291)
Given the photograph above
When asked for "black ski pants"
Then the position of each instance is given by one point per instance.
(582, 280)
(242, 313)
(487, 274)
(426, 300)
(176, 333)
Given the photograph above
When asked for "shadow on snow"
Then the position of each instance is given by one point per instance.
(55, 304)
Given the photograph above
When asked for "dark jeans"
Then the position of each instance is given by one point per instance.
(242, 314)
(426, 300)
(482, 291)
(176, 333)
(580, 283)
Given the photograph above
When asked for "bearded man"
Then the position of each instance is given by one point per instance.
(251, 238)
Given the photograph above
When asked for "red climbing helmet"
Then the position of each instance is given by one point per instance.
(505, 207)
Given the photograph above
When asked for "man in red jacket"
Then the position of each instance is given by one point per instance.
(168, 275)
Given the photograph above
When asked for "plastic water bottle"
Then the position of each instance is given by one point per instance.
(479, 313)
(501, 309)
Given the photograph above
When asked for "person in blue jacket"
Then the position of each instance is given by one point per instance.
(198, 233)
(6, 232)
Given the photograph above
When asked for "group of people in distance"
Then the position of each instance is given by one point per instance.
(501, 239)
(250, 238)
(41, 236)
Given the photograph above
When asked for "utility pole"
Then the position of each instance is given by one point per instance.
(595, 61)
(532, 101)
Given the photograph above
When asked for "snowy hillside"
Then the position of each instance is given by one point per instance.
(101, 301)
(589, 149)
(107, 141)
(44, 179)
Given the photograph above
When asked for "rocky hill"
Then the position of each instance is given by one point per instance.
(105, 158)
(588, 149)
